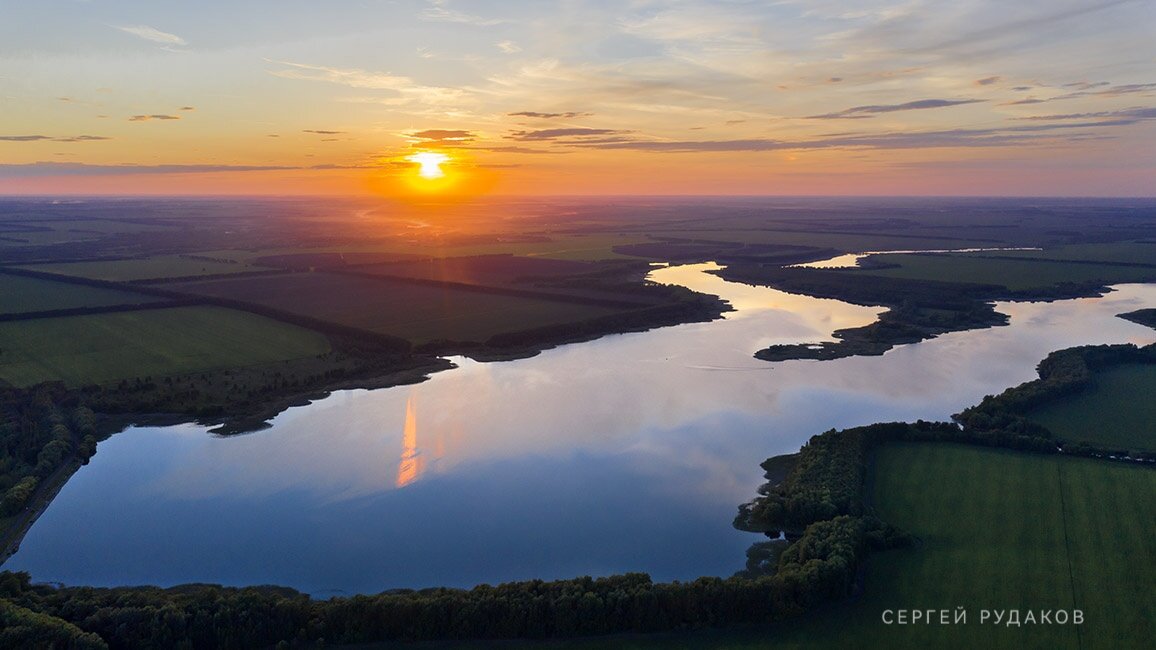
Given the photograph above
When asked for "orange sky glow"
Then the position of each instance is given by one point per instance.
(971, 97)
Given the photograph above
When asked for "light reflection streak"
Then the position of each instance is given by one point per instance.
(410, 466)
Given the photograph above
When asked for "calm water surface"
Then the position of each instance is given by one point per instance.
(629, 453)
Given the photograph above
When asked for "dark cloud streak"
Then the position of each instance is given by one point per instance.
(556, 134)
(860, 112)
(47, 138)
(549, 116)
(146, 118)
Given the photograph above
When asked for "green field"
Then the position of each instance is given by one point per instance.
(411, 311)
(1118, 411)
(997, 530)
(20, 295)
(1126, 252)
(104, 348)
(846, 241)
(1005, 530)
(161, 266)
(563, 247)
(1013, 274)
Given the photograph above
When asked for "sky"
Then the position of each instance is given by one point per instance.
(579, 97)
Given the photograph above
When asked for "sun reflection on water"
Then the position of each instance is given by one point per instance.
(410, 466)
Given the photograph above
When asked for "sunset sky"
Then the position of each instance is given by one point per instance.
(578, 97)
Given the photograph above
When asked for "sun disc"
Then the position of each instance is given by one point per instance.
(430, 164)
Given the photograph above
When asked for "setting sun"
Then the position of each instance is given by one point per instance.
(430, 164)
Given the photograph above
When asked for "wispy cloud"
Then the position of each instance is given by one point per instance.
(152, 34)
(146, 118)
(549, 116)
(1097, 89)
(859, 112)
(1137, 114)
(82, 169)
(1108, 90)
(987, 81)
(509, 47)
(443, 136)
(407, 88)
(439, 10)
(556, 134)
(49, 138)
(322, 132)
(1044, 133)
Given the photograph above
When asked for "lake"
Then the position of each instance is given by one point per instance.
(628, 453)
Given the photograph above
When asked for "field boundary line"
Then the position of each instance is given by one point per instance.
(1068, 546)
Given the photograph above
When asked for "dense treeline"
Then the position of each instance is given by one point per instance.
(827, 478)
(1142, 316)
(821, 566)
(41, 430)
(106, 309)
(1062, 373)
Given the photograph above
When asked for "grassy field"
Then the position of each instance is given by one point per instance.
(850, 242)
(1127, 252)
(1005, 530)
(563, 247)
(161, 266)
(104, 348)
(20, 295)
(1013, 274)
(1116, 412)
(483, 270)
(998, 530)
(415, 312)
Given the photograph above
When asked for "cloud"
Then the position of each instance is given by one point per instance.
(48, 138)
(516, 149)
(549, 116)
(83, 169)
(1089, 89)
(1086, 85)
(859, 112)
(152, 34)
(187, 108)
(444, 136)
(1006, 29)
(1010, 135)
(322, 132)
(1136, 114)
(509, 47)
(438, 11)
(146, 118)
(987, 81)
(409, 90)
(555, 134)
